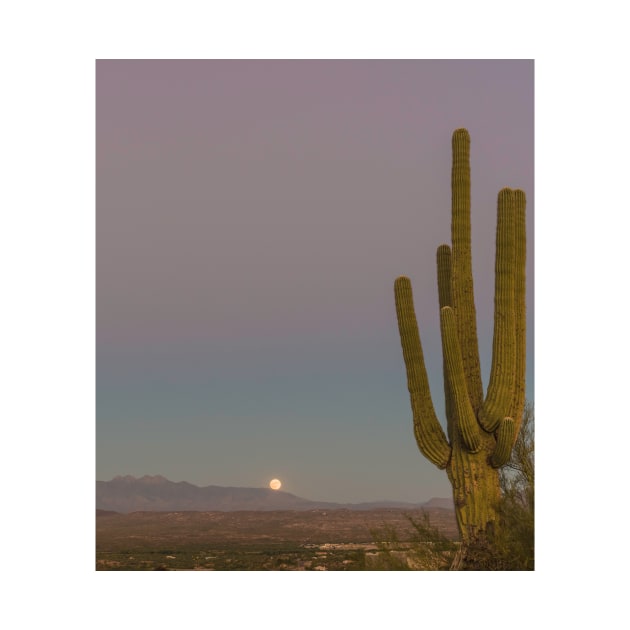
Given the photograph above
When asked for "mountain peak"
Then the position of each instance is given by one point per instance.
(143, 479)
(128, 478)
(153, 479)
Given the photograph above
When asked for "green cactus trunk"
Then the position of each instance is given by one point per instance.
(481, 431)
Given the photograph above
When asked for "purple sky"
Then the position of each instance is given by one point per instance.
(252, 217)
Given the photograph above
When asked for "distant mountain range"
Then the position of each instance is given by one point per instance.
(158, 494)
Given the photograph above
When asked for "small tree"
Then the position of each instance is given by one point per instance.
(515, 543)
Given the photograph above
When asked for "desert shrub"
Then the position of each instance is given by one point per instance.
(515, 542)
(426, 549)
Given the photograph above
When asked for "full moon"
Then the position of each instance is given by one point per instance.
(275, 484)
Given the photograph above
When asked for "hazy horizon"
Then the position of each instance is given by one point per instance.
(251, 219)
(156, 477)
(447, 495)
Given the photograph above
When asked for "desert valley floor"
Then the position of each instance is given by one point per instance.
(337, 539)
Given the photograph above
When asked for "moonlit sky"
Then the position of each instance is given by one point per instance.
(251, 218)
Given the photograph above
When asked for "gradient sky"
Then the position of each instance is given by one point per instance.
(252, 217)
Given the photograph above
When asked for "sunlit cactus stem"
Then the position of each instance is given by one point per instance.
(481, 430)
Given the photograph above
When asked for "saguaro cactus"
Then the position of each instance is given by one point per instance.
(480, 431)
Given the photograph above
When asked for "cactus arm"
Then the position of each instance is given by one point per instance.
(463, 411)
(505, 438)
(444, 275)
(429, 434)
(462, 278)
(518, 404)
(500, 393)
(444, 295)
